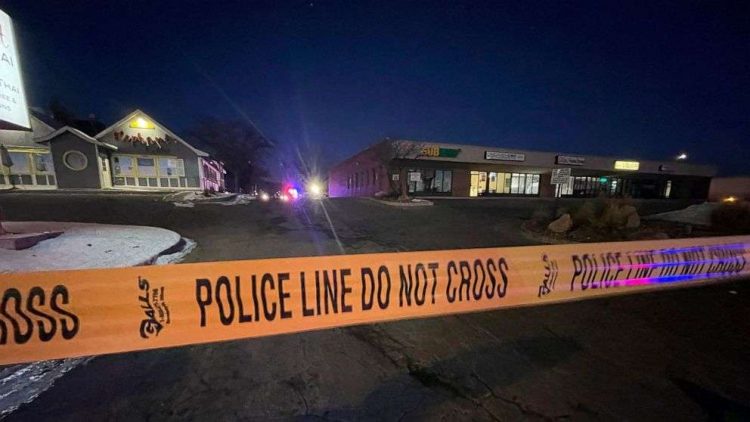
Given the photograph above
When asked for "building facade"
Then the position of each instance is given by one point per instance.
(32, 162)
(441, 169)
(135, 153)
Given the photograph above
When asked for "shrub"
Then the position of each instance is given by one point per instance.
(734, 218)
(602, 213)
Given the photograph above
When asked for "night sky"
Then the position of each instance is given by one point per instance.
(645, 81)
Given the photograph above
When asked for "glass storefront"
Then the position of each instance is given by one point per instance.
(29, 169)
(494, 183)
(149, 171)
(430, 181)
(590, 187)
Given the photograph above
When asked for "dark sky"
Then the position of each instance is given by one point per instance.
(643, 80)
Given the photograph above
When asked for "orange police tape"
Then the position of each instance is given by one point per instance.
(49, 315)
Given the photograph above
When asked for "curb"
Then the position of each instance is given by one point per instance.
(182, 245)
(419, 203)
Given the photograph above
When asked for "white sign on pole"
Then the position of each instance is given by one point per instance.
(560, 176)
(14, 114)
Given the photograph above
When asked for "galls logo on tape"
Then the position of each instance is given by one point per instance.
(550, 276)
(154, 308)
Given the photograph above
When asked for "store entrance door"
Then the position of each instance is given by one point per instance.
(106, 176)
(478, 183)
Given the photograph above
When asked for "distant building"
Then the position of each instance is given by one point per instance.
(135, 153)
(442, 169)
(214, 175)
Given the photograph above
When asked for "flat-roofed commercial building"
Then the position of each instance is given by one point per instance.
(446, 169)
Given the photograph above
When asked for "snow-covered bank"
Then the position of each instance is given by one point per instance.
(194, 196)
(85, 245)
(699, 215)
(80, 246)
(189, 201)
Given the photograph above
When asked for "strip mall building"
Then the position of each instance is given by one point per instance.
(441, 169)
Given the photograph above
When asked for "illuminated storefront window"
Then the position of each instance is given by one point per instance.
(492, 183)
(29, 169)
(143, 171)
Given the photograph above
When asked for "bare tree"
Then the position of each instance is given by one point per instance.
(238, 144)
(394, 155)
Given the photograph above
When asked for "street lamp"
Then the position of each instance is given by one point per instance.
(681, 157)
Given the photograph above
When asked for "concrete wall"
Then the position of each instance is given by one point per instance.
(68, 178)
(722, 187)
(461, 183)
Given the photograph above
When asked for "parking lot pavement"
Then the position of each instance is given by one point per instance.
(679, 354)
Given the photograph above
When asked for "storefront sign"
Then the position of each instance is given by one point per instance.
(627, 165)
(14, 113)
(436, 151)
(560, 176)
(570, 160)
(504, 156)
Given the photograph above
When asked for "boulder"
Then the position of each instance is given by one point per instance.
(561, 225)
(628, 210)
(633, 221)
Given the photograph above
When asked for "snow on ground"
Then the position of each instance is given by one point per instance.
(699, 214)
(189, 201)
(86, 246)
(80, 246)
(238, 200)
(195, 196)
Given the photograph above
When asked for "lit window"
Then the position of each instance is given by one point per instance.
(124, 166)
(20, 162)
(146, 167)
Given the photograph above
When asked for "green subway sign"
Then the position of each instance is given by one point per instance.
(435, 151)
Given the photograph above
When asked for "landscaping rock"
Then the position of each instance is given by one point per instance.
(628, 210)
(561, 225)
(633, 221)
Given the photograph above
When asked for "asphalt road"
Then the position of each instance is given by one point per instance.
(680, 354)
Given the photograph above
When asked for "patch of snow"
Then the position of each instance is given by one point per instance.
(85, 246)
(411, 203)
(238, 200)
(699, 215)
(184, 204)
(195, 196)
(21, 384)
